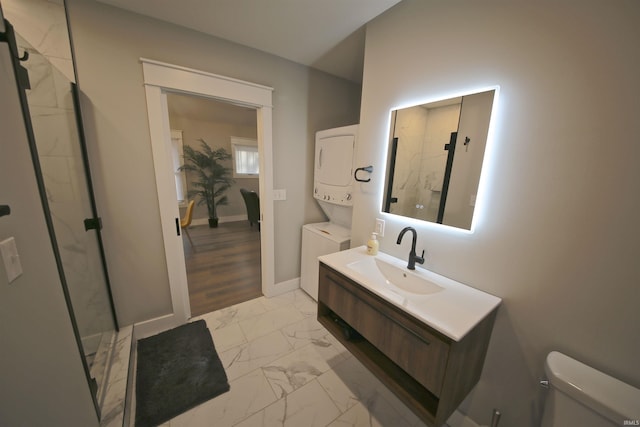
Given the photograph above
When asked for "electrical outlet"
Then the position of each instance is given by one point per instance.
(380, 227)
(472, 200)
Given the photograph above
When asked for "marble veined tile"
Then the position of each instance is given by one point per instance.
(234, 314)
(308, 406)
(42, 92)
(297, 298)
(58, 179)
(248, 394)
(306, 331)
(55, 132)
(245, 358)
(338, 346)
(43, 24)
(381, 414)
(307, 306)
(116, 389)
(228, 337)
(102, 359)
(285, 369)
(349, 383)
(301, 366)
(270, 321)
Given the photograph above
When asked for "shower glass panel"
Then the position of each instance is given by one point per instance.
(60, 152)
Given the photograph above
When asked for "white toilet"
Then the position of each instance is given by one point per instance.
(582, 396)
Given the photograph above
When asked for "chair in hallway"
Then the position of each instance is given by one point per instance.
(252, 202)
(185, 222)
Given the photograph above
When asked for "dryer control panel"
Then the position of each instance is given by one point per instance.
(332, 195)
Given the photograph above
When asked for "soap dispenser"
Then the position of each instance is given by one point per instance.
(373, 244)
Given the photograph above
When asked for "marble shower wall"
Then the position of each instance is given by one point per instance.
(41, 28)
(43, 24)
(421, 159)
(55, 130)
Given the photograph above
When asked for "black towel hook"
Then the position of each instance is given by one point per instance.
(366, 169)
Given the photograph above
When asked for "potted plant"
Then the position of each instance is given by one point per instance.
(213, 177)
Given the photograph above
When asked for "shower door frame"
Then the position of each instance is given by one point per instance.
(22, 84)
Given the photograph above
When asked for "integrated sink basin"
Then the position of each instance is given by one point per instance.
(450, 307)
(395, 277)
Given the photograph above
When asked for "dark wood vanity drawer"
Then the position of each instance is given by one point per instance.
(409, 344)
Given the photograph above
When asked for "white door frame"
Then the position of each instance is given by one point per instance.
(160, 78)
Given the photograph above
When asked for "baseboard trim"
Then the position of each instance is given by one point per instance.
(282, 287)
(163, 323)
(221, 220)
(155, 326)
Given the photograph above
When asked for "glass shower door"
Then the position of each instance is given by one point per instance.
(62, 159)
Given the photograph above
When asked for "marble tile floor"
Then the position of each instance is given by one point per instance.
(285, 369)
(113, 393)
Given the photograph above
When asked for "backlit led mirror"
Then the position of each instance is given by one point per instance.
(435, 157)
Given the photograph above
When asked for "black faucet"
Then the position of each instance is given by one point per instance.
(413, 258)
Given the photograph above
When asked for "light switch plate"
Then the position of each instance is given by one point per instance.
(280, 194)
(11, 259)
(380, 227)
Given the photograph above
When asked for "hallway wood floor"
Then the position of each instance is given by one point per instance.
(223, 267)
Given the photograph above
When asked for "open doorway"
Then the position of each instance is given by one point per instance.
(161, 79)
(222, 262)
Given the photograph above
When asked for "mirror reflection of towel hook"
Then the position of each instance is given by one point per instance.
(366, 169)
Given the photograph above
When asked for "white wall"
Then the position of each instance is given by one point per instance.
(559, 236)
(108, 43)
(43, 381)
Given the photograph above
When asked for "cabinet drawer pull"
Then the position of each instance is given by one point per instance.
(421, 338)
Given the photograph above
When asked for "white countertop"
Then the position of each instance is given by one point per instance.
(454, 311)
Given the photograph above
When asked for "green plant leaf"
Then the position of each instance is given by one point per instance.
(213, 178)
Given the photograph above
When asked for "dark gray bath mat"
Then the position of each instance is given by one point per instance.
(176, 371)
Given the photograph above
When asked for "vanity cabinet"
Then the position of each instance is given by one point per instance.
(428, 371)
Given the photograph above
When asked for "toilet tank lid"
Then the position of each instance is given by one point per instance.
(604, 394)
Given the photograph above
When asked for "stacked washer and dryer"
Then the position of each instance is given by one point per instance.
(333, 183)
